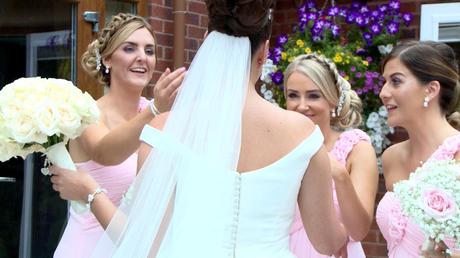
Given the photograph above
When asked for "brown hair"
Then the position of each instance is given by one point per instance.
(242, 18)
(120, 27)
(433, 61)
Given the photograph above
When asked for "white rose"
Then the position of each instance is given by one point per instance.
(8, 149)
(23, 130)
(92, 110)
(69, 122)
(46, 117)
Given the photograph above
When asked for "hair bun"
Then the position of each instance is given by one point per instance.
(239, 17)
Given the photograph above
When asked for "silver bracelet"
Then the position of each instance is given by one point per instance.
(93, 195)
(153, 109)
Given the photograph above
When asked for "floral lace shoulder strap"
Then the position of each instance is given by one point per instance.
(447, 150)
(347, 140)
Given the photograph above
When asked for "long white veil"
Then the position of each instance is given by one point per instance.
(191, 167)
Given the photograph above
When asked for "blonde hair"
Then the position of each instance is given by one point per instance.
(120, 27)
(333, 86)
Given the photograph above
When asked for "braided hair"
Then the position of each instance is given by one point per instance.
(118, 29)
(333, 86)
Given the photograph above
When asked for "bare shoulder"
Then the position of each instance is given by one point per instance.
(297, 124)
(362, 151)
(391, 163)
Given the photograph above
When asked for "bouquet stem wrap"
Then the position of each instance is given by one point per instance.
(59, 156)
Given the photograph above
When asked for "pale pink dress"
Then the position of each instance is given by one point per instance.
(300, 245)
(83, 231)
(404, 238)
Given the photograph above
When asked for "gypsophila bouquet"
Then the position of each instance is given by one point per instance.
(431, 198)
(41, 115)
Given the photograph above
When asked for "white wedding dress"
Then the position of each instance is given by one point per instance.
(262, 209)
(187, 199)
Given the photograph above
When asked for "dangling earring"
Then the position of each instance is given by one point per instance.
(425, 102)
(333, 113)
(107, 71)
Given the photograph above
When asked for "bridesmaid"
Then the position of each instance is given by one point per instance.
(123, 58)
(428, 73)
(315, 88)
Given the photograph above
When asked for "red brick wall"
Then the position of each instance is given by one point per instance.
(162, 19)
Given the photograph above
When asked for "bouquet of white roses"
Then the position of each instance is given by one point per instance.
(431, 197)
(41, 115)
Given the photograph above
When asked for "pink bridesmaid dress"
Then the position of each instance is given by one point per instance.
(404, 238)
(300, 245)
(83, 231)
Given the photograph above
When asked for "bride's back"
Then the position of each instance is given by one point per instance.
(269, 133)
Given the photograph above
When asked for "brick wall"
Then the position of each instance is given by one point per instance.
(162, 19)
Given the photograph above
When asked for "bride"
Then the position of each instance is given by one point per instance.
(220, 174)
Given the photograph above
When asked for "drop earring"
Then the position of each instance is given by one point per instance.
(107, 70)
(333, 113)
(425, 102)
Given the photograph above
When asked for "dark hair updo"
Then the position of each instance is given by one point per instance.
(242, 18)
(433, 61)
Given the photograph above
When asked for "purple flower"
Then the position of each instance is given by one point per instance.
(316, 32)
(342, 73)
(358, 75)
(360, 20)
(335, 29)
(364, 10)
(283, 38)
(360, 51)
(392, 27)
(311, 4)
(368, 38)
(353, 69)
(316, 38)
(359, 91)
(394, 4)
(275, 55)
(277, 77)
(356, 5)
(312, 16)
(407, 17)
(333, 11)
(376, 15)
(383, 8)
(303, 18)
(303, 9)
(376, 28)
(301, 27)
(343, 12)
(351, 17)
(369, 59)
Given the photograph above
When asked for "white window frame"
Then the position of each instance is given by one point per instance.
(434, 14)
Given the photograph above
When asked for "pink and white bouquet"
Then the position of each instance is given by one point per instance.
(431, 197)
(41, 115)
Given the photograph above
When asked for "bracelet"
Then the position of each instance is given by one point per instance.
(153, 109)
(93, 195)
